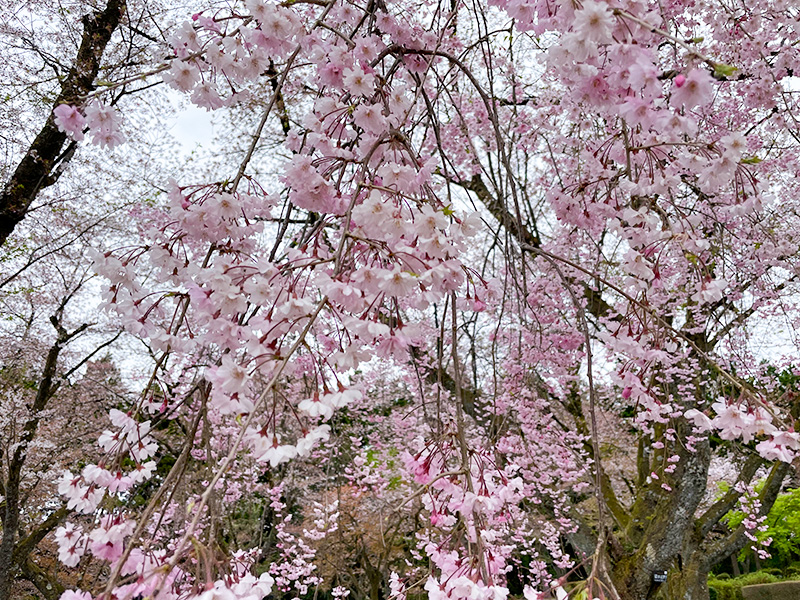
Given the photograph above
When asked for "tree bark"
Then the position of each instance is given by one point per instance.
(10, 559)
(690, 583)
(689, 566)
(50, 588)
(39, 167)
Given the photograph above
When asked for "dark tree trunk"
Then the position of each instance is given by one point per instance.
(15, 464)
(12, 555)
(39, 167)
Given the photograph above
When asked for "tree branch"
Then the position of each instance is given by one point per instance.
(734, 542)
(37, 169)
(720, 508)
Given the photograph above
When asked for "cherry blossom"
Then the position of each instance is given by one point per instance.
(548, 224)
(695, 89)
(75, 595)
(103, 122)
(70, 121)
(71, 544)
(594, 22)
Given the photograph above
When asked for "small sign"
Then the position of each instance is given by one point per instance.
(659, 577)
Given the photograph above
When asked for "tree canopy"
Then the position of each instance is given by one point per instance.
(463, 300)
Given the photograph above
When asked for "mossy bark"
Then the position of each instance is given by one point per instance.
(665, 534)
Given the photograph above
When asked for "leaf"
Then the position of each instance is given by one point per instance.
(723, 71)
(750, 160)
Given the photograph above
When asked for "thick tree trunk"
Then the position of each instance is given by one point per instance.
(685, 581)
(662, 526)
(690, 583)
(38, 168)
(675, 539)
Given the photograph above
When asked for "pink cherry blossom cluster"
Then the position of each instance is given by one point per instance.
(608, 58)
(251, 311)
(397, 587)
(552, 464)
(296, 571)
(266, 444)
(477, 496)
(71, 544)
(215, 59)
(129, 439)
(738, 421)
(643, 167)
(244, 587)
(106, 541)
(148, 571)
(102, 121)
(753, 521)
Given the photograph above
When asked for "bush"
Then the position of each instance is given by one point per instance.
(756, 578)
(725, 588)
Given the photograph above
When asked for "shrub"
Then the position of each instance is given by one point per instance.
(725, 588)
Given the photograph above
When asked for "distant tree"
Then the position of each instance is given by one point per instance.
(565, 230)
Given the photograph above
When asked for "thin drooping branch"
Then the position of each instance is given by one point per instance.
(170, 483)
(735, 541)
(720, 508)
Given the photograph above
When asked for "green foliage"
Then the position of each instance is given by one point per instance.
(723, 71)
(731, 589)
(395, 481)
(792, 571)
(789, 379)
(755, 578)
(783, 524)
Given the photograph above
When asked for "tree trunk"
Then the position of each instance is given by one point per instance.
(690, 583)
(8, 565)
(12, 555)
(675, 540)
(685, 581)
(39, 167)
